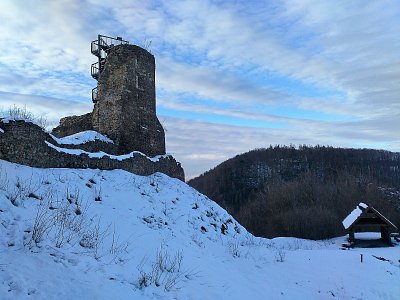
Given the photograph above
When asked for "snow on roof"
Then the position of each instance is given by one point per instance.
(354, 215)
(102, 154)
(82, 137)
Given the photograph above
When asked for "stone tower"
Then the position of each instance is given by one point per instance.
(125, 107)
(124, 110)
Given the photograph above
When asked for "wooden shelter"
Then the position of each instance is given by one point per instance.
(366, 218)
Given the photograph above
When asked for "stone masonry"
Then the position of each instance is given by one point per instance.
(126, 104)
(17, 138)
(125, 111)
(73, 124)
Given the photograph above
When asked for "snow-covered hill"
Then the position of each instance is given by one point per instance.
(91, 234)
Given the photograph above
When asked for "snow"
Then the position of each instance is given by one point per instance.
(8, 119)
(82, 137)
(368, 236)
(141, 218)
(354, 215)
(102, 154)
(351, 217)
(1, 130)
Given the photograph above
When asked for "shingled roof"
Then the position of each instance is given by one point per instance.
(364, 215)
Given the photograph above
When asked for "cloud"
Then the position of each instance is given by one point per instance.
(46, 47)
(217, 111)
(202, 145)
(51, 108)
(360, 37)
(213, 84)
(313, 72)
(340, 46)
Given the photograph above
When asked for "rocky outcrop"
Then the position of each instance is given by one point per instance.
(17, 138)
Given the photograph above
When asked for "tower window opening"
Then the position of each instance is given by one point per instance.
(139, 82)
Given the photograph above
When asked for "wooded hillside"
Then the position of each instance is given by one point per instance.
(303, 192)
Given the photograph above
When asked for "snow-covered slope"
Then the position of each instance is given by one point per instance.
(82, 137)
(91, 234)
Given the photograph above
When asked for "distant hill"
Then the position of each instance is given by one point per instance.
(303, 192)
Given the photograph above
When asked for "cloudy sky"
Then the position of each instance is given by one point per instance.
(231, 75)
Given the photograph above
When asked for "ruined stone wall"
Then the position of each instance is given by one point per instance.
(125, 112)
(16, 146)
(126, 102)
(73, 124)
(93, 146)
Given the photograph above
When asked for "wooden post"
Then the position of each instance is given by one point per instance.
(351, 236)
(361, 257)
(385, 236)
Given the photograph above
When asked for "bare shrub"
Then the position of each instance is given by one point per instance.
(197, 240)
(89, 239)
(42, 224)
(4, 182)
(72, 195)
(250, 240)
(56, 219)
(117, 248)
(144, 279)
(20, 190)
(68, 226)
(14, 196)
(93, 239)
(98, 195)
(280, 255)
(234, 248)
(16, 112)
(165, 271)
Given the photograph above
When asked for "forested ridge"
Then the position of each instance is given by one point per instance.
(304, 192)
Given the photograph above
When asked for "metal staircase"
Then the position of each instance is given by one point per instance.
(100, 48)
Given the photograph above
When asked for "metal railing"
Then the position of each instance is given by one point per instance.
(94, 94)
(94, 48)
(101, 48)
(95, 70)
(103, 44)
